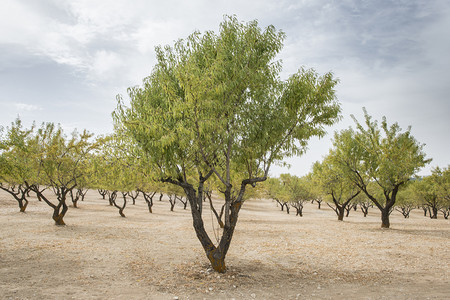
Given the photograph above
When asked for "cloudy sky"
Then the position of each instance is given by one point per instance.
(65, 61)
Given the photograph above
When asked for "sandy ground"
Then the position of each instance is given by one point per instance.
(100, 255)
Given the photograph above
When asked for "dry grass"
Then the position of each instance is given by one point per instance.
(100, 255)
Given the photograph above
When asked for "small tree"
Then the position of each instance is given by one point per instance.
(16, 162)
(334, 183)
(298, 191)
(385, 157)
(406, 200)
(433, 192)
(275, 190)
(59, 162)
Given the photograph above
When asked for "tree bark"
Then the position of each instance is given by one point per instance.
(385, 218)
(149, 200)
(433, 212)
(23, 205)
(364, 209)
(112, 197)
(121, 208)
(102, 193)
(340, 211)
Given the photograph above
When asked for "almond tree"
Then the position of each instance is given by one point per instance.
(406, 199)
(444, 190)
(215, 106)
(60, 162)
(275, 190)
(433, 192)
(16, 166)
(298, 191)
(116, 171)
(385, 157)
(333, 182)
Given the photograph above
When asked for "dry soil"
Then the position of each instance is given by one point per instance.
(100, 255)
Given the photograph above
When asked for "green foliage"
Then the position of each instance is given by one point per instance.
(215, 102)
(380, 155)
(61, 161)
(298, 189)
(214, 108)
(433, 191)
(16, 165)
(332, 180)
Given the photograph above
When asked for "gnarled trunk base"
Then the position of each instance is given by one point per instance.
(59, 220)
(217, 261)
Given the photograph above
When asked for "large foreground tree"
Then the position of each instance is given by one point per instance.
(376, 156)
(214, 107)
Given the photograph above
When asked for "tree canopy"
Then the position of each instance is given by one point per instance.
(382, 155)
(214, 105)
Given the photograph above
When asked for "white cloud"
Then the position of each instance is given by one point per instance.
(26, 107)
(391, 57)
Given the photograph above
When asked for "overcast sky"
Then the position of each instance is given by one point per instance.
(65, 61)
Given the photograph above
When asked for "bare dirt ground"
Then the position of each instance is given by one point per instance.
(100, 255)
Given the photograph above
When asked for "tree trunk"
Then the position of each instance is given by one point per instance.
(112, 197)
(216, 255)
(172, 201)
(149, 200)
(424, 211)
(340, 211)
(435, 211)
(348, 208)
(23, 205)
(58, 213)
(217, 260)
(365, 210)
(385, 218)
(74, 198)
(121, 212)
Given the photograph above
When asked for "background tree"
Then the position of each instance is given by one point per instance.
(214, 105)
(383, 156)
(275, 190)
(335, 184)
(59, 162)
(84, 181)
(406, 199)
(298, 191)
(443, 176)
(117, 171)
(16, 165)
(433, 193)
